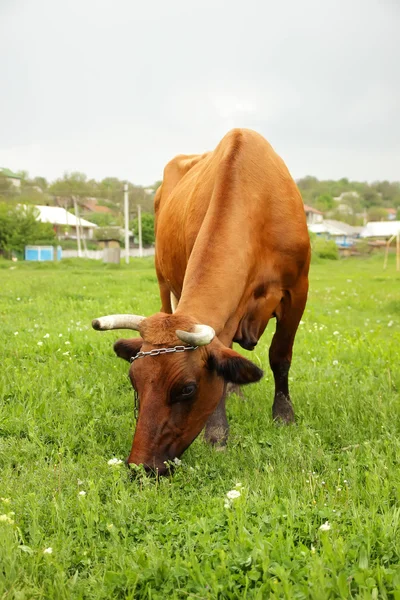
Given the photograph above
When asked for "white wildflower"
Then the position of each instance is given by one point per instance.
(312, 549)
(7, 518)
(82, 493)
(114, 461)
(325, 526)
(227, 504)
(335, 362)
(66, 353)
(232, 494)
(67, 343)
(335, 333)
(390, 323)
(110, 526)
(339, 469)
(47, 335)
(5, 500)
(60, 335)
(177, 461)
(238, 485)
(48, 551)
(15, 332)
(79, 482)
(18, 299)
(40, 343)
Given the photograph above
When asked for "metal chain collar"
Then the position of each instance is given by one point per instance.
(155, 352)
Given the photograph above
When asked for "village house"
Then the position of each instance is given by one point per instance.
(11, 177)
(65, 223)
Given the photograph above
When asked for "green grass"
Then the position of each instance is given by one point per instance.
(67, 408)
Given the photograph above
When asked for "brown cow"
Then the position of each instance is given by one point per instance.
(232, 251)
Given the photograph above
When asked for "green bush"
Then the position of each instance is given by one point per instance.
(325, 248)
(148, 236)
(362, 247)
(69, 244)
(19, 227)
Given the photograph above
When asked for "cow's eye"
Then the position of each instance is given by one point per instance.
(182, 394)
(188, 390)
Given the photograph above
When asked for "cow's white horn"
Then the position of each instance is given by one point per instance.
(200, 336)
(117, 322)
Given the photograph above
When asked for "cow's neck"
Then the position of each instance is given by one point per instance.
(218, 270)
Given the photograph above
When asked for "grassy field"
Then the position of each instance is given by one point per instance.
(74, 526)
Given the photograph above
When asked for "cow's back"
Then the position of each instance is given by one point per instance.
(242, 190)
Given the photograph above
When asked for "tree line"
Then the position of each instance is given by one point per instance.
(108, 192)
(351, 201)
(343, 199)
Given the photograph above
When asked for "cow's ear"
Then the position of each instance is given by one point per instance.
(126, 349)
(233, 367)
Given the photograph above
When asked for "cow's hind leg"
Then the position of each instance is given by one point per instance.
(217, 428)
(280, 352)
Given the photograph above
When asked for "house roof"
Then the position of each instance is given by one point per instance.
(59, 216)
(334, 227)
(343, 227)
(8, 173)
(310, 209)
(91, 205)
(381, 229)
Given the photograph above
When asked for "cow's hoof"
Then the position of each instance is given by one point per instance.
(220, 447)
(217, 437)
(282, 410)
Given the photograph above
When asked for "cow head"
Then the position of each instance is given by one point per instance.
(177, 390)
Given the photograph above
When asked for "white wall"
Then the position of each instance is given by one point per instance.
(98, 254)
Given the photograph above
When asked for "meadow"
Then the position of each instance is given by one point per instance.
(317, 513)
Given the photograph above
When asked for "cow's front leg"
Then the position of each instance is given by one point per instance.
(234, 388)
(217, 428)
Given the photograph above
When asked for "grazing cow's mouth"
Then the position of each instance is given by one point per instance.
(157, 470)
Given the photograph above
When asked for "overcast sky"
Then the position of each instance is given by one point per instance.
(117, 88)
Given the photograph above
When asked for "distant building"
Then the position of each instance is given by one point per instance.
(380, 229)
(312, 215)
(11, 177)
(64, 222)
(91, 205)
(342, 234)
(345, 195)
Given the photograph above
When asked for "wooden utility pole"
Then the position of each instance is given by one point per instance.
(126, 211)
(78, 231)
(139, 216)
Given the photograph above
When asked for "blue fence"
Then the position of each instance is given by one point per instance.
(42, 253)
